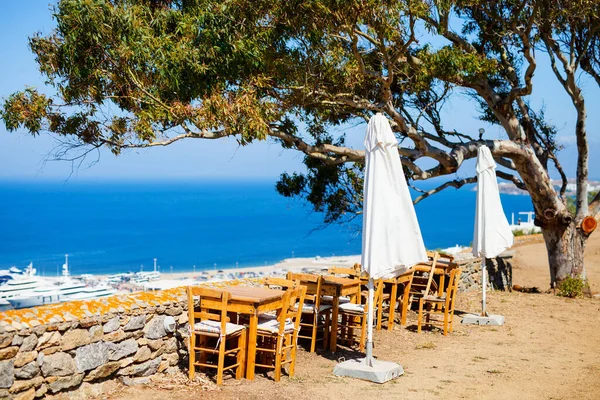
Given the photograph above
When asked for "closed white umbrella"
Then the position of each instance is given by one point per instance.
(492, 234)
(392, 240)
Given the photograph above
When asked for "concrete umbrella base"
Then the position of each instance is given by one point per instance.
(378, 371)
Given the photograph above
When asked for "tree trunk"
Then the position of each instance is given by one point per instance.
(565, 245)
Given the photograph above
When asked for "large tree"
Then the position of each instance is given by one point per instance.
(143, 73)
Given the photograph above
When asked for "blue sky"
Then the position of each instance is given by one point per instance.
(24, 157)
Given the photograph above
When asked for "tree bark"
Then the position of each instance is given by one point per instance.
(565, 245)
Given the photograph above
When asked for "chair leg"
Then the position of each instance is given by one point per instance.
(363, 333)
(278, 352)
(446, 323)
(379, 312)
(313, 340)
(294, 338)
(326, 330)
(192, 354)
(393, 299)
(241, 356)
(221, 362)
(420, 317)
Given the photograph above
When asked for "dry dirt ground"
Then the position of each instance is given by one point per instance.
(549, 348)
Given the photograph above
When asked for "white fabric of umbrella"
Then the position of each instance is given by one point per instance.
(392, 241)
(492, 234)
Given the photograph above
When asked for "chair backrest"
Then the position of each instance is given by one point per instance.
(209, 300)
(377, 292)
(293, 300)
(452, 288)
(349, 272)
(309, 279)
(276, 283)
(440, 254)
(423, 278)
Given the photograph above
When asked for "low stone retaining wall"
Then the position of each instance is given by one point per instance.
(52, 349)
(499, 271)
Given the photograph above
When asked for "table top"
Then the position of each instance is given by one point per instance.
(254, 294)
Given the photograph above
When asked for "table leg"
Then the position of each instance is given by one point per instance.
(251, 360)
(334, 323)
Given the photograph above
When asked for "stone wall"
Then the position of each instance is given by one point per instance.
(49, 350)
(499, 271)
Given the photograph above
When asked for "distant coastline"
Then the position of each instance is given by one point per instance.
(511, 189)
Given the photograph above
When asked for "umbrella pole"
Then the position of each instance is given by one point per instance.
(370, 309)
(483, 286)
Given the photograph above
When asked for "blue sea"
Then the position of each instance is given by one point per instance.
(111, 227)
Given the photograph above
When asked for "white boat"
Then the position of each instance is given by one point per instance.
(141, 277)
(93, 293)
(21, 284)
(49, 294)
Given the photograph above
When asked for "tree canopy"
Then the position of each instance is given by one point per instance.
(143, 73)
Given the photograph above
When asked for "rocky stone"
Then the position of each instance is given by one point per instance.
(29, 343)
(155, 344)
(27, 395)
(135, 381)
(66, 382)
(162, 366)
(91, 356)
(7, 339)
(28, 371)
(17, 341)
(7, 369)
(51, 350)
(111, 325)
(8, 352)
(103, 371)
(173, 311)
(96, 333)
(171, 358)
(171, 345)
(39, 330)
(147, 368)
(48, 339)
(172, 371)
(25, 358)
(135, 323)
(20, 386)
(156, 328)
(75, 338)
(142, 354)
(58, 364)
(117, 351)
(41, 391)
(183, 318)
(118, 336)
(126, 362)
(88, 322)
(143, 341)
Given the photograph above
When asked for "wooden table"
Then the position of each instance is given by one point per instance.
(336, 287)
(253, 301)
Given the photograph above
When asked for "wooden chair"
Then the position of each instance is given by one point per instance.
(279, 283)
(422, 282)
(207, 327)
(427, 304)
(354, 316)
(277, 339)
(404, 282)
(350, 273)
(313, 310)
